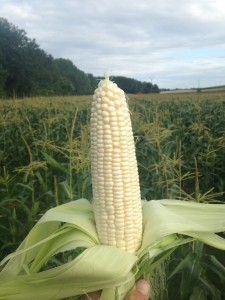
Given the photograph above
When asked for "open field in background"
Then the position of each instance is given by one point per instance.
(213, 89)
(44, 161)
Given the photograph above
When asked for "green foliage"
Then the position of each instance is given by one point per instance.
(200, 275)
(3, 77)
(180, 145)
(75, 82)
(180, 150)
(133, 86)
(180, 142)
(26, 70)
(43, 162)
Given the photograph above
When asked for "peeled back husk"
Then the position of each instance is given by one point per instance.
(166, 225)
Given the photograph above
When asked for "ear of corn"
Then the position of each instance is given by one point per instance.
(167, 224)
(116, 191)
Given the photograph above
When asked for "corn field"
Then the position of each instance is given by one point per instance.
(180, 147)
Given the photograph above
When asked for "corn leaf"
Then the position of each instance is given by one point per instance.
(55, 164)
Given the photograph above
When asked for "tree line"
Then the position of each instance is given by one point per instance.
(27, 70)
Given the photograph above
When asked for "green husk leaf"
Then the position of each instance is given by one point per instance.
(155, 254)
(201, 221)
(78, 213)
(167, 224)
(68, 241)
(211, 216)
(86, 273)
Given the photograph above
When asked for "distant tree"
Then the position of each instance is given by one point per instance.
(93, 82)
(133, 86)
(3, 77)
(79, 81)
(28, 67)
(155, 88)
(27, 70)
(129, 85)
(146, 87)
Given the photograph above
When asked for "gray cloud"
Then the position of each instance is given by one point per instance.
(173, 43)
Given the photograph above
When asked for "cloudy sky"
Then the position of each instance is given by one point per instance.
(173, 43)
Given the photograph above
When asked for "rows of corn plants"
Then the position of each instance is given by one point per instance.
(180, 144)
(44, 161)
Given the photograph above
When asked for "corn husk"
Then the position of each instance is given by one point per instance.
(167, 224)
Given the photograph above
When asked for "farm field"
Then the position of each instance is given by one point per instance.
(180, 147)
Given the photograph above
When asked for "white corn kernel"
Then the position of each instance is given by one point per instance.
(116, 191)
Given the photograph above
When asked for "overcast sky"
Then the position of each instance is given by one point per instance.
(173, 43)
